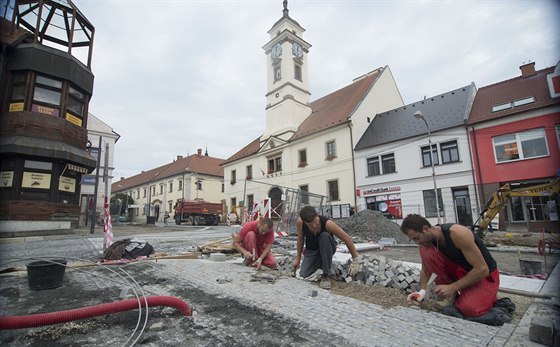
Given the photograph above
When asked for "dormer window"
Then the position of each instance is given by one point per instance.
(522, 102)
(516, 103)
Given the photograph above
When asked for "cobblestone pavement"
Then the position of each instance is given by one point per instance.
(350, 320)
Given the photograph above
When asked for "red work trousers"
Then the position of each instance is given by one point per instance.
(250, 243)
(473, 301)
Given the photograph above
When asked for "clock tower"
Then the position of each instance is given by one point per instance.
(287, 97)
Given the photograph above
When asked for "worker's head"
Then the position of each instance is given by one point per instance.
(308, 214)
(264, 226)
(417, 228)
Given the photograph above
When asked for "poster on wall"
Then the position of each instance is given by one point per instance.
(389, 205)
(36, 180)
(6, 179)
(67, 184)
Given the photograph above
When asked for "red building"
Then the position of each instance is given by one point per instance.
(514, 132)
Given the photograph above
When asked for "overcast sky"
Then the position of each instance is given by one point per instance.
(173, 76)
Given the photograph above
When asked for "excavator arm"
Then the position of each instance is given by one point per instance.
(500, 197)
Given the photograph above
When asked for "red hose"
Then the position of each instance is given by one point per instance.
(41, 319)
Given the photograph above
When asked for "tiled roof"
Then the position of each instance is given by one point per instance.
(507, 91)
(443, 111)
(195, 163)
(336, 107)
(326, 112)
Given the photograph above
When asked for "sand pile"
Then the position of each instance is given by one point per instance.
(368, 225)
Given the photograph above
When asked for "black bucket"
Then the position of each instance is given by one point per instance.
(46, 274)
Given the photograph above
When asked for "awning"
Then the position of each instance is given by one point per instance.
(47, 148)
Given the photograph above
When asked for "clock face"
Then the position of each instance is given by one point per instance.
(297, 50)
(276, 51)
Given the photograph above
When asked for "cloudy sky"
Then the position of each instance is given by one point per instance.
(173, 76)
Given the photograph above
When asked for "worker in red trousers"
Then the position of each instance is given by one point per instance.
(465, 269)
(254, 241)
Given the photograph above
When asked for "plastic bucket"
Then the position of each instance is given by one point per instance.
(46, 274)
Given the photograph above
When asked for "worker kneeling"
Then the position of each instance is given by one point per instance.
(254, 241)
(465, 269)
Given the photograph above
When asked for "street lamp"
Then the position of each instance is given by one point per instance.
(419, 115)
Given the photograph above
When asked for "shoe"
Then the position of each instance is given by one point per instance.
(325, 282)
(506, 304)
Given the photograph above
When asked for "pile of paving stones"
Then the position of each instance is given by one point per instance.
(379, 270)
(374, 270)
(368, 225)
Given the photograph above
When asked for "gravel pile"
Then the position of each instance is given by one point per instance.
(368, 225)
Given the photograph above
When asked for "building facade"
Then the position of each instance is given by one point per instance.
(46, 83)
(95, 186)
(306, 146)
(155, 192)
(394, 158)
(514, 131)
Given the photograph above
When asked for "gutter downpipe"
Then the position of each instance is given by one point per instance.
(353, 165)
(479, 171)
(472, 164)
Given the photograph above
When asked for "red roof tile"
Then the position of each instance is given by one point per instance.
(195, 163)
(507, 91)
(327, 112)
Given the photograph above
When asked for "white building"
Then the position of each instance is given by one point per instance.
(195, 177)
(105, 151)
(306, 146)
(394, 167)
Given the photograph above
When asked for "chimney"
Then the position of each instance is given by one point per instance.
(199, 151)
(122, 178)
(528, 69)
(179, 157)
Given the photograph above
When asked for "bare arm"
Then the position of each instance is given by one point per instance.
(337, 231)
(238, 245)
(299, 245)
(267, 248)
(463, 239)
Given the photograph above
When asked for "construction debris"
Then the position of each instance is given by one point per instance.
(218, 246)
(368, 225)
(263, 278)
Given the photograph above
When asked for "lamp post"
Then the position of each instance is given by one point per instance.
(419, 115)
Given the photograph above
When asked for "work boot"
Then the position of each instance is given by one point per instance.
(505, 303)
(325, 282)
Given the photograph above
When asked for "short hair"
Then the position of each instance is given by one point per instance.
(414, 222)
(308, 214)
(266, 221)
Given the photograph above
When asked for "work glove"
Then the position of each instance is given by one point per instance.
(257, 263)
(417, 296)
(354, 266)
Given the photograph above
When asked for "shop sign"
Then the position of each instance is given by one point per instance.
(73, 119)
(16, 107)
(88, 180)
(381, 190)
(6, 179)
(45, 110)
(67, 184)
(36, 180)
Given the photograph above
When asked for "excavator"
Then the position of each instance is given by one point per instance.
(500, 197)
